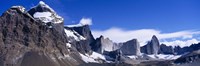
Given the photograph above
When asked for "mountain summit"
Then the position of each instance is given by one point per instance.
(45, 13)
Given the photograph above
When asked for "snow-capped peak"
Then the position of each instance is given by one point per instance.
(44, 5)
(45, 13)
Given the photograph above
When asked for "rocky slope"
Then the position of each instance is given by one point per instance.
(189, 59)
(24, 40)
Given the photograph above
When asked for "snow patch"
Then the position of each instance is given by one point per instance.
(68, 44)
(74, 34)
(93, 57)
(165, 57)
(159, 56)
(87, 59)
(41, 14)
(96, 55)
(44, 16)
(133, 56)
(48, 17)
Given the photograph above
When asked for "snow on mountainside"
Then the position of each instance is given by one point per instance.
(94, 57)
(87, 59)
(74, 35)
(157, 57)
(44, 13)
(165, 57)
(97, 55)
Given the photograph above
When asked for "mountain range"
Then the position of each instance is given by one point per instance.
(38, 37)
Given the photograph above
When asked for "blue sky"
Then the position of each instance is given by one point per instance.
(163, 16)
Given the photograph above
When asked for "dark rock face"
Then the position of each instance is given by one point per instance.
(34, 59)
(131, 47)
(83, 46)
(20, 34)
(102, 44)
(97, 45)
(85, 32)
(166, 49)
(178, 50)
(113, 55)
(152, 47)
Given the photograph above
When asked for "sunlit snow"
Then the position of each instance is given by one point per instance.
(166, 57)
(74, 34)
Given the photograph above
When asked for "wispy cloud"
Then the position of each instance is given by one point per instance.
(83, 21)
(86, 21)
(143, 35)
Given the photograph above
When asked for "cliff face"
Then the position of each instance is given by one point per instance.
(131, 47)
(152, 46)
(102, 44)
(166, 49)
(86, 38)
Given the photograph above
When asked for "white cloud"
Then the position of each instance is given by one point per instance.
(143, 35)
(181, 34)
(86, 21)
(83, 21)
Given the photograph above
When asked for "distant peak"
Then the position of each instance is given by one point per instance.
(101, 36)
(43, 5)
(154, 37)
